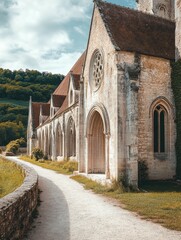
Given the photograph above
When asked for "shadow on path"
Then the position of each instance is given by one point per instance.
(52, 222)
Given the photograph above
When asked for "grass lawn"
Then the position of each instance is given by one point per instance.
(14, 102)
(161, 201)
(11, 177)
(63, 167)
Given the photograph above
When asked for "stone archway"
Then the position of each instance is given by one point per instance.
(71, 138)
(98, 135)
(96, 145)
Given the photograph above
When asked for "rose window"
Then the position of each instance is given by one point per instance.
(96, 70)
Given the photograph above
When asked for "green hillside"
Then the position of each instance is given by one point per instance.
(16, 87)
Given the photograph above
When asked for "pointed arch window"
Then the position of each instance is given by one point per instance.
(160, 127)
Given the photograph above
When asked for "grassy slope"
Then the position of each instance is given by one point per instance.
(11, 177)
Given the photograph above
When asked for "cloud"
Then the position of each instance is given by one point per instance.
(44, 35)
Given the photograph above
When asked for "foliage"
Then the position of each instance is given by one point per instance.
(12, 146)
(37, 153)
(11, 177)
(11, 131)
(21, 84)
(64, 167)
(176, 86)
(142, 171)
(16, 87)
(1, 150)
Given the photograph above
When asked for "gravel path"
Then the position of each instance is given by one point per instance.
(68, 212)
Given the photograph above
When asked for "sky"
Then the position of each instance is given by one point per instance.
(46, 35)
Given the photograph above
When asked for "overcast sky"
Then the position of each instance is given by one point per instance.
(47, 35)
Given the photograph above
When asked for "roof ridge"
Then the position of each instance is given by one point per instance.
(133, 9)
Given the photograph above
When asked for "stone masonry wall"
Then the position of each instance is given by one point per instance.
(155, 85)
(178, 28)
(17, 207)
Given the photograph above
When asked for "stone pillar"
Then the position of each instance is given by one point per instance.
(132, 73)
(130, 117)
(107, 136)
(81, 134)
(121, 121)
(178, 29)
(54, 143)
(87, 154)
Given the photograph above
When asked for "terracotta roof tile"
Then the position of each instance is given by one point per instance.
(136, 31)
(58, 100)
(45, 109)
(76, 81)
(62, 89)
(35, 114)
(63, 107)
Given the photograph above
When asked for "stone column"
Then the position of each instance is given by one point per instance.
(121, 121)
(107, 136)
(81, 134)
(87, 138)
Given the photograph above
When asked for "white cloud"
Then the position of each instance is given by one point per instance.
(43, 34)
(36, 33)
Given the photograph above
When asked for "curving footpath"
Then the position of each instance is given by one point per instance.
(68, 212)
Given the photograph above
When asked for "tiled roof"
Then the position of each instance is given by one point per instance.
(76, 81)
(58, 100)
(62, 89)
(63, 107)
(35, 114)
(139, 32)
(45, 109)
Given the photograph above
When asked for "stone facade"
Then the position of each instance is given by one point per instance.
(118, 107)
(161, 8)
(16, 208)
(178, 28)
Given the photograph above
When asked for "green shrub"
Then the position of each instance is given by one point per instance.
(1, 150)
(13, 147)
(70, 166)
(37, 153)
(21, 142)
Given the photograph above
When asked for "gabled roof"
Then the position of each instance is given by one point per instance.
(36, 112)
(76, 81)
(62, 89)
(58, 100)
(45, 109)
(135, 31)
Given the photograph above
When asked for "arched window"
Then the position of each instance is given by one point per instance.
(159, 125)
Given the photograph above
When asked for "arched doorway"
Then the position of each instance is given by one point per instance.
(59, 141)
(71, 138)
(96, 145)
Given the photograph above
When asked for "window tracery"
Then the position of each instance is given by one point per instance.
(96, 70)
(159, 125)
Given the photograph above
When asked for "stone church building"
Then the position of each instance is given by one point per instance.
(115, 107)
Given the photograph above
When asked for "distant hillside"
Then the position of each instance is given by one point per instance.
(16, 87)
